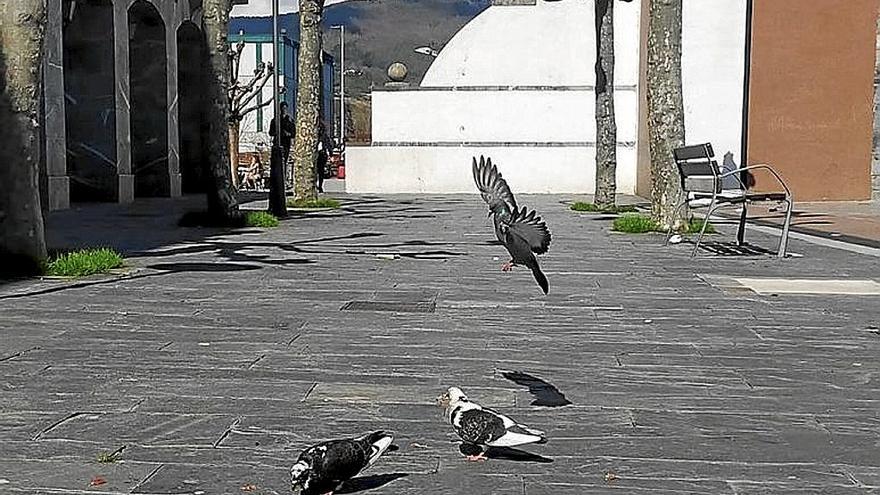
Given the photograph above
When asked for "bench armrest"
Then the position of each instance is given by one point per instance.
(762, 166)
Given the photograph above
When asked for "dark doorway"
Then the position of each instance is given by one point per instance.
(190, 90)
(90, 101)
(149, 100)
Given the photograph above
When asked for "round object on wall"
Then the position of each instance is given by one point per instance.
(397, 72)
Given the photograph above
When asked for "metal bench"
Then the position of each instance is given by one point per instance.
(702, 182)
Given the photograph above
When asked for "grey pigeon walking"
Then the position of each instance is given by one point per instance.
(481, 428)
(320, 469)
(521, 231)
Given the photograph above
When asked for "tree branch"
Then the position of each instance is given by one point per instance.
(256, 91)
(246, 89)
(255, 107)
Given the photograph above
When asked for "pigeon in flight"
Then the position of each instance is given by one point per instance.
(320, 469)
(481, 428)
(521, 231)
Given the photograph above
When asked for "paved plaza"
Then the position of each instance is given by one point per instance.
(221, 355)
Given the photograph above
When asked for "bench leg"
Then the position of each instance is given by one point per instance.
(741, 229)
(703, 230)
(783, 239)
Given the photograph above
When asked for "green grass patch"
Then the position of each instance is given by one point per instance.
(84, 263)
(634, 224)
(314, 204)
(642, 224)
(594, 208)
(262, 219)
(696, 224)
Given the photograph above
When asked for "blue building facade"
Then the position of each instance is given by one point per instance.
(256, 32)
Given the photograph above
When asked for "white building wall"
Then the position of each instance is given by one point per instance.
(516, 84)
(493, 116)
(527, 169)
(713, 66)
(548, 44)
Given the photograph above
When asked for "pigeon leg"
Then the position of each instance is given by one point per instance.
(477, 458)
(507, 266)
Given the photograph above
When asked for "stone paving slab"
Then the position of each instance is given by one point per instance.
(226, 353)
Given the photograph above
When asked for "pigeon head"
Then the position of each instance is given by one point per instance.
(299, 474)
(452, 395)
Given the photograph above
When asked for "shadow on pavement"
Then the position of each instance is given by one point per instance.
(365, 483)
(546, 394)
(516, 455)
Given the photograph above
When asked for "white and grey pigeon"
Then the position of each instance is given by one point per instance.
(481, 428)
(321, 468)
(521, 231)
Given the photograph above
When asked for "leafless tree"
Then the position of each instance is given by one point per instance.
(308, 100)
(222, 199)
(242, 98)
(665, 109)
(22, 234)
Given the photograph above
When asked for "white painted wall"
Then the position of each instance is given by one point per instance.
(547, 44)
(713, 66)
(411, 169)
(496, 116)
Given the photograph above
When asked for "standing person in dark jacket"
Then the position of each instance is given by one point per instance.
(325, 146)
(288, 130)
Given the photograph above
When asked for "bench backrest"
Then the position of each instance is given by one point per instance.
(697, 168)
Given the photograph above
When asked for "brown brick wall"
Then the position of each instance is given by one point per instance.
(811, 95)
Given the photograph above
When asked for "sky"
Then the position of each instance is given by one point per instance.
(256, 8)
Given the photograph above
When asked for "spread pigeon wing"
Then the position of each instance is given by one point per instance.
(493, 188)
(528, 226)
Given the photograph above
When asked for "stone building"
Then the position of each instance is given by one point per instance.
(122, 100)
(786, 82)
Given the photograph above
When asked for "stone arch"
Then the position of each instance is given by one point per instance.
(90, 99)
(148, 73)
(192, 125)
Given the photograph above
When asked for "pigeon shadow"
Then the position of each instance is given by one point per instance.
(365, 483)
(516, 455)
(546, 394)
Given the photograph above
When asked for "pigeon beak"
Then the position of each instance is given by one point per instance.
(489, 214)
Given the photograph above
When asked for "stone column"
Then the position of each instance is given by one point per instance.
(173, 106)
(53, 94)
(125, 191)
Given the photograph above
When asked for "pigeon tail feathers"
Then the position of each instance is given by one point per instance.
(379, 442)
(513, 439)
(540, 278)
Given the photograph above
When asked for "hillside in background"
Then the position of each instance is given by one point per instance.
(381, 32)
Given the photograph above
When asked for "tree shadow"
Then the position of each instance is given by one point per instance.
(546, 394)
(364, 483)
(203, 267)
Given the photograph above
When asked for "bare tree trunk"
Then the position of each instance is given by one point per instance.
(308, 100)
(22, 234)
(234, 127)
(606, 125)
(665, 109)
(222, 200)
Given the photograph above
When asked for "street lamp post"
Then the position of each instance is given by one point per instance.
(277, 196)
(341, 83)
